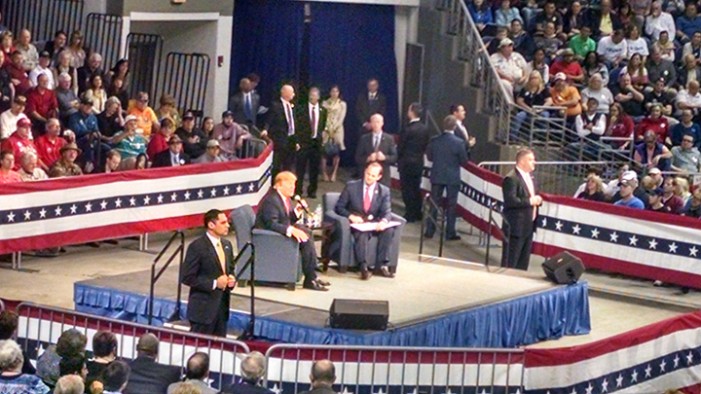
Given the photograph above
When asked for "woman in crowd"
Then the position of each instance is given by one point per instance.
(6, 88)
(625, 14)
(596, 89)
(119, 70)
(665, 46)
(636, 44)
(111, 120)
(506, 13)
(681, 189)
(619, 125)
(574, 19)
(334, 133)
(538, 64)
(12, 380)
(637, 71)
(71, 343)
(104, 347)
(75, 48)
(64, 66)
(593, 64)
(141, 162)
(532, 95)
(96, 92)
(7, 162)
(7, 46)
(208, 126)
(481, 14)
(167, 109)
(655, 122)
(117, 89)
(594, 190)
(693, 206)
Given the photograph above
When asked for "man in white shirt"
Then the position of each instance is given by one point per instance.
(310, 126)
(43, 69)
(689, 98)
(510, 65)
(613, 48)
(659, 21)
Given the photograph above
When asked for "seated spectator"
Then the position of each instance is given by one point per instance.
(596, 89)
(660, 94)
(654, 122)
(29, 52)
(12, 380)
(18, 75)
(652, 153)
(7, 46)
(104, 347)
(655, 203)
(64, 66)
(689, 23)
(43, 68)
(532, 95)
(605, 22)
(656, 176)
(628, 96)
(693, 48)
(9, 118)
(549, 41)
(159, 141)
(194, 140)
(120, 70)
(65, 166)
(73, 365)
(69, 384)
(538, 64)
(168, 109)
(113, 161)
(41, 105)
(619, 126)
(212, 154)
(146, 119)
(523, 42)
(29, 170)
(252, 374)
(208, 126)
(690, 98)
(567, 65)
(693, 206)
(68, 102)
(71, 343)
(6, 88)
(627, 198)
(84, 125)
(117, 89)
(687, 126)
(141, 162)
(147, 375)
(481, 14)
(566, 95)
(96, 92)
(591, 171)
(549, 15)
(196, 374)
(672, 203)
(19, 142)
(575, 19)
(582, 43)
(510, 66)
(493, 46)
(594, 189)
(591, 124)
(594, 65)
(637, 71)
(110, 121)
(48, 145)
(9, 321)
(7, 174)
(55, 46)
(681, 188)
(665, 47)
(612, 188)
(173, 156)
(85, 73)
(116, 377)
(506, 14)
(323, 376)
(635, 44)
(633, 12)
(129, 143)
(230, 135)
(613, 49)
(658, 21)
(686, 158)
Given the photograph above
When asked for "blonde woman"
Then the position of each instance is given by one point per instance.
(532, 95)
(333, 135)
(594, 189)
(681, 189)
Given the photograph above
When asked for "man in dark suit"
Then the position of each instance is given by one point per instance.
(208, 271)
(311, 122)
(366, 200)
(173, 156)
(458, 110)
(148, 376)
(447, 152)
(280, 128)
(370, 103)
(520, 210)
(276, 212)
(245, 104)
(412, 147)
(323, 376)
(376, 146)
(252, 374)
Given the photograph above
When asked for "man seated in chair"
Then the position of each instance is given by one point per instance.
(366, 200)
(276, 212)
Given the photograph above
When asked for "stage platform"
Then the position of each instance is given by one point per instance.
(432, 303)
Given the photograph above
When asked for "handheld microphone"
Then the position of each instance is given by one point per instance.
(302, 204)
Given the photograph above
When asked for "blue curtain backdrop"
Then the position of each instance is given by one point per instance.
(349, 44)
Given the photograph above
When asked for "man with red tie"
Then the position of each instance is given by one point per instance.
(311, 122)
(366, 200)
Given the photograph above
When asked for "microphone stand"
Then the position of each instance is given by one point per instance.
(249, 331)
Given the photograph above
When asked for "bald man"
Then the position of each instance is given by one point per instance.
(280, 129)
(323, 376)
(377, 146)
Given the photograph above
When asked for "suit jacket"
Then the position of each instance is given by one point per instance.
(413, 141)
(461, 133)
(351, 201)
(237, 106)
(303, 129)
(147, 376)
(365, 148)
(277, 126)
(447, 152)
(162, 159)
(365, 108)
(272, 214)
(200, 269)
(245, 388)
(518, 211)
(320, 390)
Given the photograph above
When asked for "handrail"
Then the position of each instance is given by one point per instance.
(249, 332)
(428, 206)
(155, 276)
(431, 121)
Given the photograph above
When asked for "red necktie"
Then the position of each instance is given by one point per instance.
(287, 205)
(367, 199)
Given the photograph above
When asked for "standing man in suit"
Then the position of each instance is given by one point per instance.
(447, 152)
(366, 200)
(173, 156)
(521, 204)
(376, 146)
(458, 110)
(208, 271)
(412, 147)
(245, 104)
(280, 128)
(147, 375)
(311, 122)
(370, 103)
(276, 212)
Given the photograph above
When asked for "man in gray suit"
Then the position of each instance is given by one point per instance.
(377, 146)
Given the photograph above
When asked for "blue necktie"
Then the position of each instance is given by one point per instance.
(247, 109)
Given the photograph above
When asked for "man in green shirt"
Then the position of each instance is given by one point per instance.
(582, 43)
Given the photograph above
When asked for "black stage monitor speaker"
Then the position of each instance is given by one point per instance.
(563, 268)
(359, 314)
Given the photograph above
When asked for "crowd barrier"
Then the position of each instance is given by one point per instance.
(65, 211)
(651, 359)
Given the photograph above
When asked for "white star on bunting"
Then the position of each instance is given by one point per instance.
(103, 205)
(88, 207)
(58, 211)
(147, 200)
(690, 358)
(174, 197)
(648, 371)
(633, 240)
(42, 213)
(576, 229)
(663, 364)
(74, 209)
(558, 225)
(676, 361)
(159, 198)
(118, 203)
(653, 244)
(634, 376)
(605, 386)
(226, 191)
(213, 193)
(595, 233)
(614, 237)
(11, 217)
(619, 380)
(132, 202)
(238, 189)
(673, 247)
(187, 195)
(693, 251)
(27, 215)
(545, 222)
(589, 389)
(200, 193)
(251, 187)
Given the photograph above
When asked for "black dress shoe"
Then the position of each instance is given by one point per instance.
(453, 238)
(315, 286)
(384, 270)
(364, 273)
(428, 236)
(311, 195)
(322, 282)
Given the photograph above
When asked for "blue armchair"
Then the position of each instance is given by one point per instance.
(340, 244)
(277, 257)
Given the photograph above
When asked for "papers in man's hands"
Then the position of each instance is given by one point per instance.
(372, 226)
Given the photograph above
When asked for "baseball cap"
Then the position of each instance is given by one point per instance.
(45, 54)
(24, 122)
(560, 77)
(129, 118)
(174, 139)
(505, 41)
(654, 171)
(86, 100)
(188, 115)
(212, 143)
(630, 176)
(227, 113)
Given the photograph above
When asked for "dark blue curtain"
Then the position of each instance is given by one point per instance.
(349, 44)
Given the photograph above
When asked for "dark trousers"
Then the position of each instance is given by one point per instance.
(411, 190)
(309, 259)
(361, 245)
(219, 326)
(451, 202)
(308, 157)
(518, 252)
(283, 160)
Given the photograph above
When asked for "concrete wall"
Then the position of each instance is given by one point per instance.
(124, 7)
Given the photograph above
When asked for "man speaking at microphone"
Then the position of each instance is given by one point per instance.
(278, 212)
(366, 200)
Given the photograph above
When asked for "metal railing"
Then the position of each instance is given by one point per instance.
(554, 177)
(144, 52)
(435, 214)
(185, 77)
(178, 252)
(42, 17)
(399, 369)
